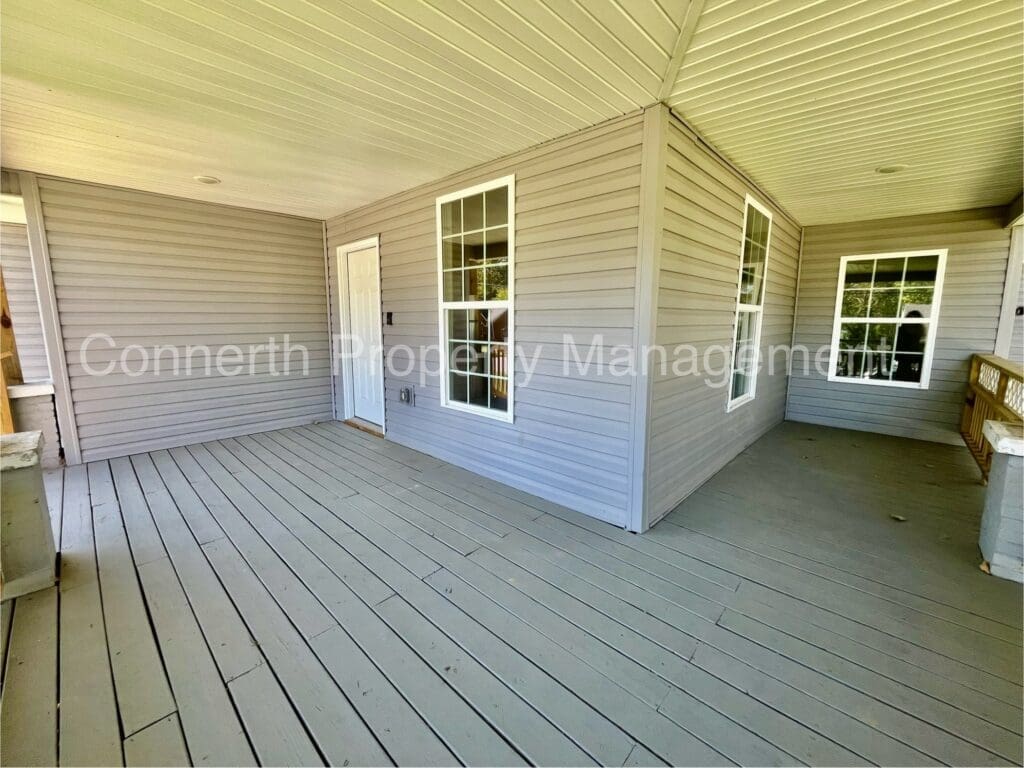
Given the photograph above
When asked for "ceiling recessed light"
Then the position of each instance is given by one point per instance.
(895, 168)
(206, 179)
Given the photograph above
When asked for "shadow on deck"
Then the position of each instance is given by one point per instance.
(318, 595)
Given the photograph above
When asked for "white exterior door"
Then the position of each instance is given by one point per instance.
(366, 382)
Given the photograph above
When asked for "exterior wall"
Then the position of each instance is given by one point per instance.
(151, 270)
(968, 321)
(1016, 352)
(37, 413)
(690, 434)
(1017, 337)
(21, 295)
(576, 249)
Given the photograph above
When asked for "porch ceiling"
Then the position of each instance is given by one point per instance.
(811, 97)
(316, 108)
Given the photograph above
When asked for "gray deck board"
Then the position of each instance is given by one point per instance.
(211, 726)
(319, 595)
(744, 651)
(400, 730)
(365, 442)
(836, 560)
(161, 743)
(88, 723)
(277, 734)
(403, 733)
(657, 658)
(899, 668)
(143, 693)
(464, 731)
(336, 577)
(488, 651)
(939, 635)
(991, 636)
(965, 725)
(562, 706)
(559, 704)
(635, 716)
(28, 712)
(958, 670)
(640, 756)
(340, 734)
(53, 482)
(294, 512)
(842, 697)
(146, 544)
(511, 716)
(171, 499)
(6, 617)
(268, 550)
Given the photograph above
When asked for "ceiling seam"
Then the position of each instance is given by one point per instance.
(687, 26)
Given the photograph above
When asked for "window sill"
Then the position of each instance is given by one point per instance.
(505, 416)
(879, 382)
(732, 405)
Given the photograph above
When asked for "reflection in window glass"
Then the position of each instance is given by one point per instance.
(753, 266)
(472, 213)
(744, 353)
(496, 206)
(475, 303)
(884, 318)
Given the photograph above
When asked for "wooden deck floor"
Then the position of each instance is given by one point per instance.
(318, 595)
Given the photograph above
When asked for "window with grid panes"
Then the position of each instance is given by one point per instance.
(886, 310)
(757, 228)
(475, 264)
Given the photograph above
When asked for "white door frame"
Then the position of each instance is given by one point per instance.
(347, 406)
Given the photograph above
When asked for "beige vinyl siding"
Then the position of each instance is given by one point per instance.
(691, 435)
(151, 270)
(576, 244)
(1017, 332)
(21, 295)
(968, 320)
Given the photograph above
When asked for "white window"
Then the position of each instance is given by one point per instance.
(887, 307)
(475, 254)
(746, 344)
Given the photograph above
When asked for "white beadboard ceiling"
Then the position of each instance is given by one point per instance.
(810, 97)
(316, 107)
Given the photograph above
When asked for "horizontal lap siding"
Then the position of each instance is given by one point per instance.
(1017, 333)
(968, 321)
(158, 271)
(21, 295)
(691, 435)
(576, 238)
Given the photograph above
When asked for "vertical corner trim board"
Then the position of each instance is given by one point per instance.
(648, 271)
(42, 275)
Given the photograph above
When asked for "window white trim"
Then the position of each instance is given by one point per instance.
(756, 309)
(508, 304)
(932, 321)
